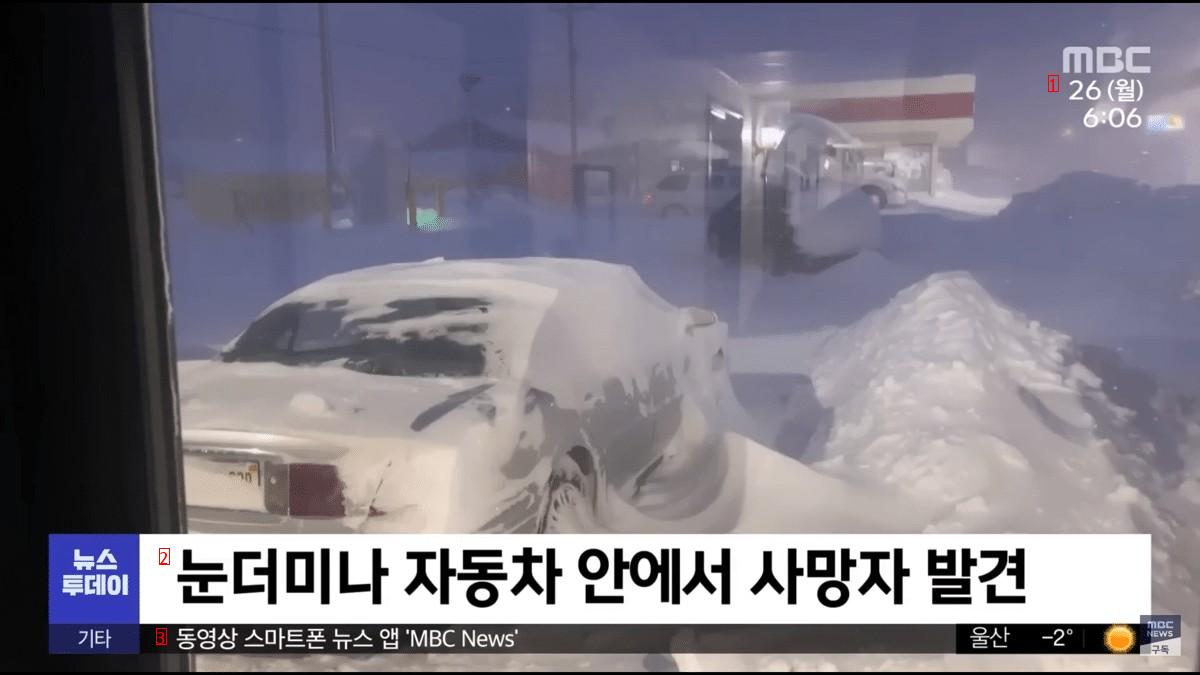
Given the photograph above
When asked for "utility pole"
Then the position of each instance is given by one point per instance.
(468, 81)
(572, 59)
(327, 101)
(568, 10)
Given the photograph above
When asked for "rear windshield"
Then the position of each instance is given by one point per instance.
(424, 337)
(676, 181)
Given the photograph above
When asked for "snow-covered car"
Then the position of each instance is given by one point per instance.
(882, 186)
(515, 395)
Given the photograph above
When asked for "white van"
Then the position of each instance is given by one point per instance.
(881, 184)
(683, 193)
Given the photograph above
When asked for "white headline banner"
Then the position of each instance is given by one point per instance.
(644, 579)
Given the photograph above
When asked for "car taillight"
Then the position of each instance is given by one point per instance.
(314, 490)
(647, 199)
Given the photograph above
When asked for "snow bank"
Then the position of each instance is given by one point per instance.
(992, 423)
(927, 389)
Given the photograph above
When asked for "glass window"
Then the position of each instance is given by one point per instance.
(443, 343)
(958, 295)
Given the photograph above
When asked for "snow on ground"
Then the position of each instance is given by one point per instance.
(943, 411)
(917, 399)
(1008, 424)
(962, 202)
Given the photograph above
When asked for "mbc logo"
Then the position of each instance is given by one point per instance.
(1104, 60)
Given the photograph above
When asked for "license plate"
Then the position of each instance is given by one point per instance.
(225, 483)
(249, 473)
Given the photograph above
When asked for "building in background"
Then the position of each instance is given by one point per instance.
(912, 122)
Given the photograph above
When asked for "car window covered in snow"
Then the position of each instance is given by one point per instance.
(770, 267)
(310, 334)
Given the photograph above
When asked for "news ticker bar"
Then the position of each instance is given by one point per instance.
(742, 579)
(622, 639)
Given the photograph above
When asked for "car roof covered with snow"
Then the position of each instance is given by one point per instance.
(564, 324)
(523, 280)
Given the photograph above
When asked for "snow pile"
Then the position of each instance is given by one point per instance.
(991, 422)
(956, 399)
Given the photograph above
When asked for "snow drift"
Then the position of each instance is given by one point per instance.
(992, 422)
(957, 399)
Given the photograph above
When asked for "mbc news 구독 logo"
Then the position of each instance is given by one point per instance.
(93, 604)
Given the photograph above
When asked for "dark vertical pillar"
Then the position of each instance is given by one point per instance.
(87, 411)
